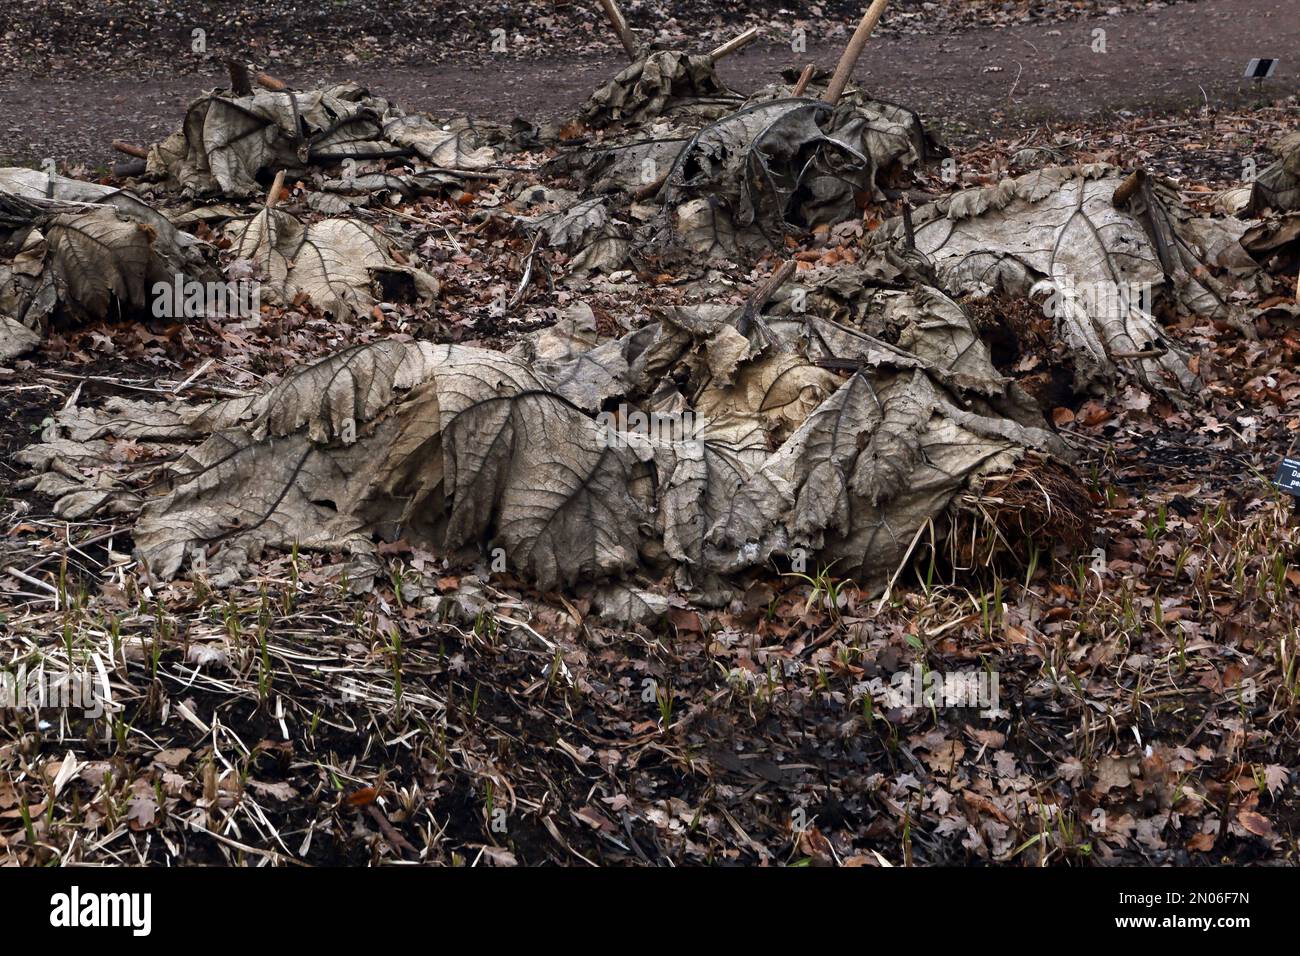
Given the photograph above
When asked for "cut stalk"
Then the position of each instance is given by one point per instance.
(734, 44)
(139, 152)
(273, 196)
(615, 17)
(804, 78)
(844, 69)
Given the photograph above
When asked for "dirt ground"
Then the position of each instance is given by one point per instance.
(65, 37)
(982, 81)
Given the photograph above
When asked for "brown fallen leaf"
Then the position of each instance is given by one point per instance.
(361, 798)
(1256, 823)
(1114, 773)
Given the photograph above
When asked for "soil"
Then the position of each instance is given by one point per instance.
(63, 37)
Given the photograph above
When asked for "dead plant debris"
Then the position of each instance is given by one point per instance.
(714, 478)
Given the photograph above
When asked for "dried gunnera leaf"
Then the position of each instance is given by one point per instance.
(627, 604)
(656, 84)
(776, 392)
(226, 140)
(41, 187)
(459, 444)
(595, 240)
(615, 166)
(335, 262)
(1277, 186)
(777, 166)
(343, 195)
(84, 252)
(228, 143)
(447, 144)
(573, 360)
(860, 477)
(15, 339)
(1057, 231)
(687, 445)
(84, 266)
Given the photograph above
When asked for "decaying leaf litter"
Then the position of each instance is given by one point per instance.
(850, 419)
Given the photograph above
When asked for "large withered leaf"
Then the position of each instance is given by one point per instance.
(1057, 230)
(450, 144)
(99, 261)
(454, 440)
(621, 166)
(227, 141)
(88, 265)
(34, 184)
(574, 363)
(861, 475)
(654, 85)
(335, 262)
(86, 251)
(699, 477)
(802, 489)
(776, 392)
(519, 457)
(783, 165)
(855, 313)
(588, 230)
(1277, 186)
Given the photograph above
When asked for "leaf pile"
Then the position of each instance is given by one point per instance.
(229, 143)
(461, 448)
(78, 252)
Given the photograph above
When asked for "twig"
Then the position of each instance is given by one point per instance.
(758, 299)
(804, 79)
(844, 69)
(527, 279)
(1020, 68)
(244, 847)
(195, 374)
(391, 833)
(1143, 354)
(267, 81)
(139, 152)
(1124, 192)
(31, 580)
(273, 196)
(616, 20)
(130, 168)
(768, 289)
(734, 44)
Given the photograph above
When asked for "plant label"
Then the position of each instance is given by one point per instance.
(1260, 68)
(1288, 476)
